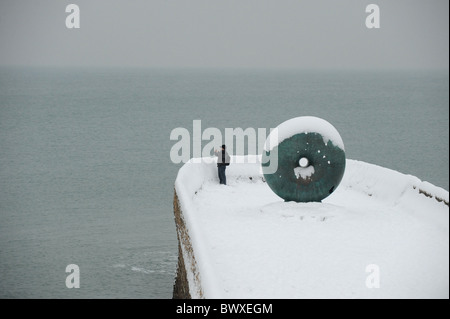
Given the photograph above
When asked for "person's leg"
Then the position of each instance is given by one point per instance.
(220, 174)
(222, 177)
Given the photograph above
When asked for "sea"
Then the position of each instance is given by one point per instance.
(86, 176)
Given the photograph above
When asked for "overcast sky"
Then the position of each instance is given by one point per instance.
(226, 33)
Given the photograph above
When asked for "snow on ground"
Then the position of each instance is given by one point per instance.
(249, 243)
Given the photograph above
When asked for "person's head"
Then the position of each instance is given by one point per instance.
(224, 147)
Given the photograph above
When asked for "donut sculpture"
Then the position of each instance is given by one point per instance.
(310, 158)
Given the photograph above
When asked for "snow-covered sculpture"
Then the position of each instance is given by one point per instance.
(310, 159)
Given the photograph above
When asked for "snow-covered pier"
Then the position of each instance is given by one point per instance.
(381, 234)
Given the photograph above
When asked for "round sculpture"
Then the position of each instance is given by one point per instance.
(304, 159)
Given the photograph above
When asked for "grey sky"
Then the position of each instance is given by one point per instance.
(226, 33)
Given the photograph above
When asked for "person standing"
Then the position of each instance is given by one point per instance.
(223, 160)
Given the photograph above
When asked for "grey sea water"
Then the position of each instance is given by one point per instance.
(86, 176)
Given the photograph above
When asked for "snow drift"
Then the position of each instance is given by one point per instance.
(381, 234)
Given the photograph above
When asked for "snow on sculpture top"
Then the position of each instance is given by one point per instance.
(303, 124)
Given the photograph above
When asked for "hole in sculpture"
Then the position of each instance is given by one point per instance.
(303, 162)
